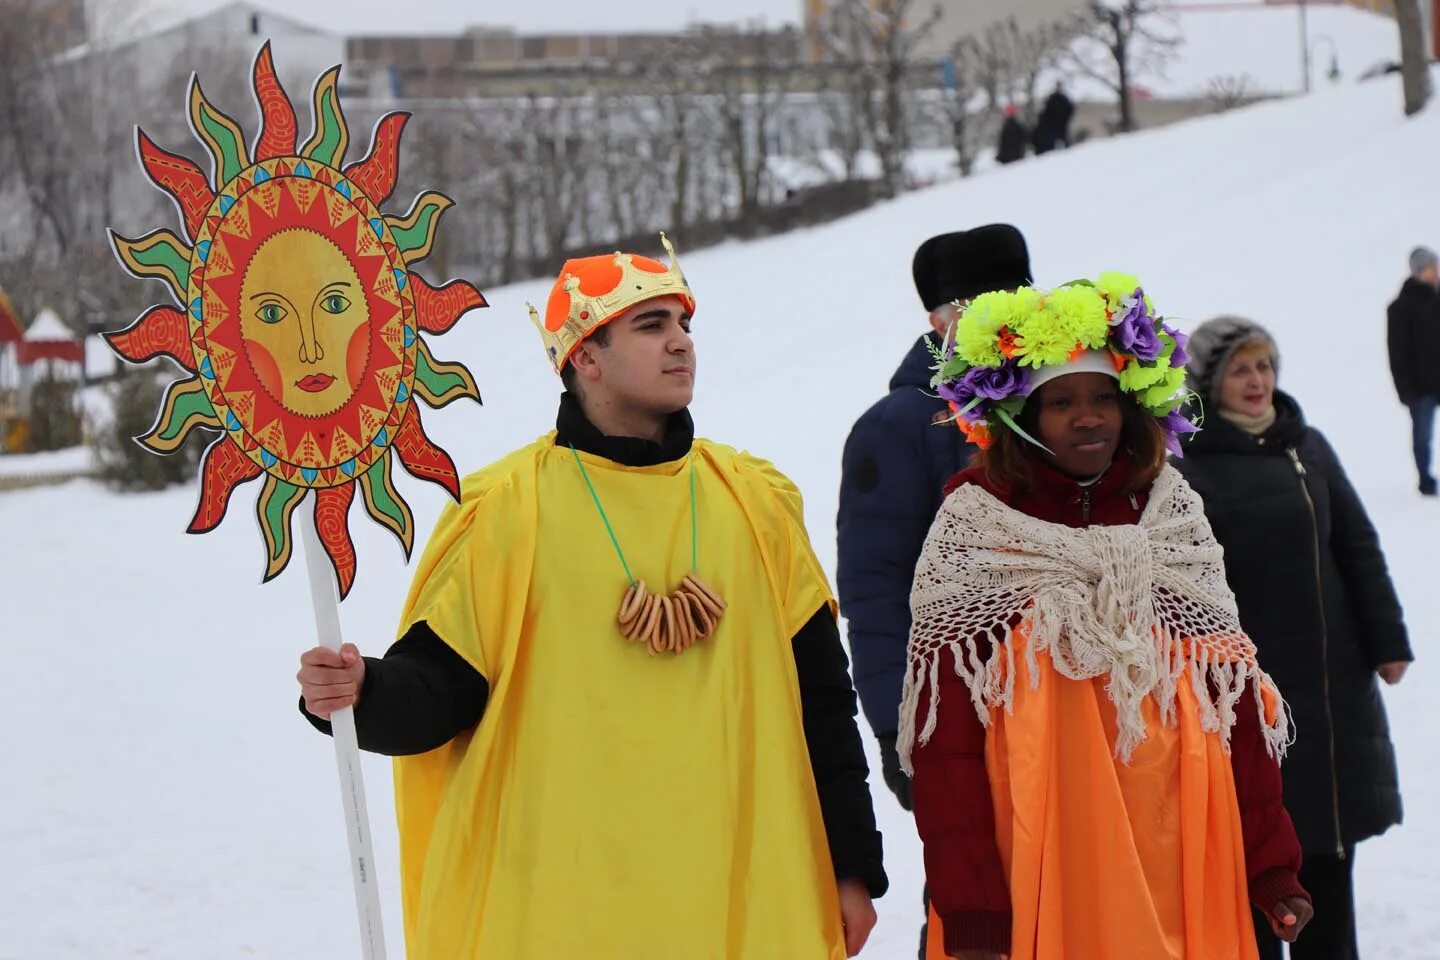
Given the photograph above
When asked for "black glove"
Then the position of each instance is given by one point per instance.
(895, 778)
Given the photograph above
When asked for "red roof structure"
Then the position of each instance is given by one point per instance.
(49, 339)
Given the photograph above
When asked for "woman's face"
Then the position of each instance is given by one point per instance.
(305, 322)
(1080, 421)
(1248, 386)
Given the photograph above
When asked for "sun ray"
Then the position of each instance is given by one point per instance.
(438, 309)
(277, 504)
(331, 135)
(220, 134)
(384, 503)
(185, 407)
(224, 469)
(179, 177)
(278, 128)
(160, 331)
(377, 173)
(332, 509)
(441, 383)
(415, 232)
(421, 457)
(159, 254)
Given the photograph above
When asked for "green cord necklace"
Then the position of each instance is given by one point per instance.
(673, 623)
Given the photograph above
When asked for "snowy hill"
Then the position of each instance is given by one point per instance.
(1261, 42)
(164, 799)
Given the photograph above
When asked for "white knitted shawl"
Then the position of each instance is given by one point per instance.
(1141, 604)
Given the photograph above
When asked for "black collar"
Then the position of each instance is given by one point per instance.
(1222, 436)
(573, 428)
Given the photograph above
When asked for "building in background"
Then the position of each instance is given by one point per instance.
(958, 19)
(154, 49)
(499, 61)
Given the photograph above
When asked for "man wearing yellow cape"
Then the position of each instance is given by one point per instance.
(622, 716)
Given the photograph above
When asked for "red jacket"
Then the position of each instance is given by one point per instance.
(951, 789)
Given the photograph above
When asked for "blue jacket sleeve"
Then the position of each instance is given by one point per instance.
(886, 508)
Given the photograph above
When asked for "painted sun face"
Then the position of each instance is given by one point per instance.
(301, 322)
(304, 322)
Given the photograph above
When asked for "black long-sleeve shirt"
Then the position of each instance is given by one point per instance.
(422, 693)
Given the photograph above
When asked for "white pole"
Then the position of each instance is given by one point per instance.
(326, 600)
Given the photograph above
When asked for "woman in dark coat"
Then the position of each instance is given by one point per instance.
(1313, 591)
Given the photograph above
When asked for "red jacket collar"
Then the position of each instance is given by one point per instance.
(1057, 498)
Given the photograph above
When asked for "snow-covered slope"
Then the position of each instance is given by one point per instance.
(161, 796)
(1261, 43)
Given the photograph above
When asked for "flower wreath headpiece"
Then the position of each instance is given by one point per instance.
(1005, 345)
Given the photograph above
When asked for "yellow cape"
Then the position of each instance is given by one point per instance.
(610, 803)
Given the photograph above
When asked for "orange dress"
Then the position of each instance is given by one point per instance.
(1101, 860)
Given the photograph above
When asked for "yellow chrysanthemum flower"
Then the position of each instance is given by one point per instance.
(1026, 300)
(1162, 393)
(1071, 317)
(1117, 287)
(977, 332)
(1083, 312)
(977, 327)
(1137, 377)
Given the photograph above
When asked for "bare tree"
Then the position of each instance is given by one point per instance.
(1011, 59)
(436, 151)
(844, 122)
(494, 132)
(883, 36)
(850, 83)
(1034, 52)
(555, 147)
(998, 68)
(632, 180)
(895, 34)
(751, 71)
(1230, 90)
(65, 127)
(679, 111)
(1414, 68)
(967, 110)
(1123, 41)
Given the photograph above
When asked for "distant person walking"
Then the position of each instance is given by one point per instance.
(1414, 340)
(1052, 131)
(1013, 137)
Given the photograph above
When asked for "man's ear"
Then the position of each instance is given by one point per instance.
(943, 317)
(585, 362)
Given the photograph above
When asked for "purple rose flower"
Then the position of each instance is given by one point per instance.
(1176, 424)
(1135, 330)
(950, 393)
(1179, 358)
(988, 383)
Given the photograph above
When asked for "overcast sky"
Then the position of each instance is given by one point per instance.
(530, 16)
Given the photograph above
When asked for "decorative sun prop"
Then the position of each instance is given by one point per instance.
(300, 320)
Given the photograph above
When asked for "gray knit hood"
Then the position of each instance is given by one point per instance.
(1211, 346)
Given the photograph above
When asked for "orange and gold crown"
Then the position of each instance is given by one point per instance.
(592, 291)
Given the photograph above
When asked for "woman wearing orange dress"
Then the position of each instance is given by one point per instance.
(1094, 748)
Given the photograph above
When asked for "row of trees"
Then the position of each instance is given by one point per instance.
(704, 138)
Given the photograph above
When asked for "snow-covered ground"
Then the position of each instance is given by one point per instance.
(69, 460)
(159, 795)
(928, 166)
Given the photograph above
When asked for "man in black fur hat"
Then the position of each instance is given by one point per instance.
(896, 462)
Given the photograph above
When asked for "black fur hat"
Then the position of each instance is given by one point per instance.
(965, 264)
